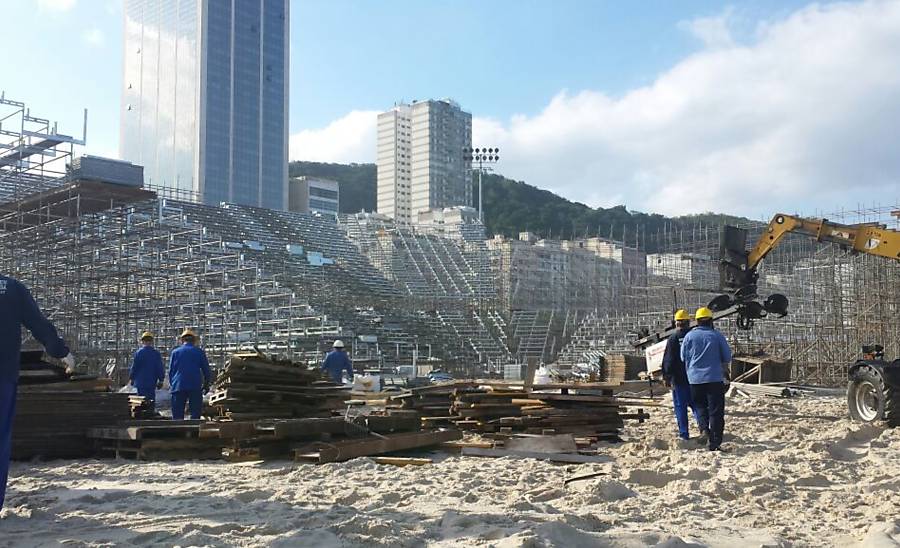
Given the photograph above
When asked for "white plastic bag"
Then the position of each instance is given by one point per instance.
(542, 375)
(366, 383)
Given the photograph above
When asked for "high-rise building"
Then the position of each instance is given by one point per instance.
(420, 158)
(205, 97)
(394, 163)
(314, 195)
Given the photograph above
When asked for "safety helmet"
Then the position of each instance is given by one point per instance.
(682, 314)
(703, 313)
(338, 344)
(147, 335)
(188, 333)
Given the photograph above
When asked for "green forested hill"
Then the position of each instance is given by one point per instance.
(512, 206)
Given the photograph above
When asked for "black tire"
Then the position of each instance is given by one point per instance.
(870, 399)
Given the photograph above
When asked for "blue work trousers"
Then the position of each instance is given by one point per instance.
(7, 412)
(194, 400)
(709, 400)
(681, 400)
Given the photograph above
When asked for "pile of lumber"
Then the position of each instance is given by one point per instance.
(154, 440)
(622, 367)
(281, 438)
(141, 407)
(253, 386)
(491, 407)
(564, 448)
(54, 410)
(52, 421)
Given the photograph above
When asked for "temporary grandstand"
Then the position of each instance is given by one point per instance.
(107, 261)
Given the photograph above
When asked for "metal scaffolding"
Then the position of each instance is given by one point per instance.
(109, 261)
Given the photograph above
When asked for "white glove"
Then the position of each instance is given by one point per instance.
(69, 361)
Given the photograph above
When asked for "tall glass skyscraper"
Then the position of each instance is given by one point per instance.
(205, 97)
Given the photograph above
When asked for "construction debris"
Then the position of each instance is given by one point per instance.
(745, 389)
(574, 458)
(350, 449)
(760, 369)
(253, 386)
(278, 438)
(54, 423)
(155, 440)
(619, 368)
(493, 407)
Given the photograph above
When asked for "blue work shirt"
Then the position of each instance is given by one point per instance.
(188, 368)
(336, 362)
(147, 369)
(673, 369)
(18, 308)
(704, 352)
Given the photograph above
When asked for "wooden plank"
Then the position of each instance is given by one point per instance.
(748, 373)
(564, 443)
(401, 461)
(552, 457)
(350, 449)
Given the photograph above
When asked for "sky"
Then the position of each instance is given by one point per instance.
(669, 107)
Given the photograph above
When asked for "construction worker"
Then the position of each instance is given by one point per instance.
(147, 370)
(18, 308)
(336, 362)
(675, 376)
(705, 353)
(189, 376)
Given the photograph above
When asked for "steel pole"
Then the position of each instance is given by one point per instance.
(480, 210)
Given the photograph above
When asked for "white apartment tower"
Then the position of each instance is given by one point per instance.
(420, 158)
(394, 163)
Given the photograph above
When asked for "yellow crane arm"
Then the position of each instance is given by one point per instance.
(871, 238)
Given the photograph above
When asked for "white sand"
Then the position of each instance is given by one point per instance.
(799, 474)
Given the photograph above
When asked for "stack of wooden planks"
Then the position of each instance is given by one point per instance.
(255, 387)
(155, 440)
(52, 420)
(495, 407)
(280, 438)
(622, 367)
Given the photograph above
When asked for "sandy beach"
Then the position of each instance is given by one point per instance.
(798, 473)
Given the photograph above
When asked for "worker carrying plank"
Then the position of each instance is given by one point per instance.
(189, 376)
(336, 362)
(675, 376)
(18, 308)
(706, 354)
(147, 370)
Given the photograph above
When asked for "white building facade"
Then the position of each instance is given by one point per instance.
(421, 165)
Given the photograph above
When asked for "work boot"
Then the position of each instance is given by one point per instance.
(703, 438)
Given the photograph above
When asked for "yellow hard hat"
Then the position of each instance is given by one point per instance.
(682, 314)
(147, 335)
(703, 313)
(188, 333)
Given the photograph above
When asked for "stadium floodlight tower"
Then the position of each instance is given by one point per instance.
(483, 158)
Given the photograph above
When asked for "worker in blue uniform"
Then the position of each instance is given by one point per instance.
(147, 370)
(189, 376)
(18, 308)
(706, 354)
(336, 362)
(675, 376)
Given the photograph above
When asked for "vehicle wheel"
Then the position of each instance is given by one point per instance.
(870, 400)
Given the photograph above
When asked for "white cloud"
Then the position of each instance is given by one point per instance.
(93, 37)
(804, 116)
(714, 32)
(56, 5)
(347, 139)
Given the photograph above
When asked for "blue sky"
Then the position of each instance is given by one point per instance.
(533, 73)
